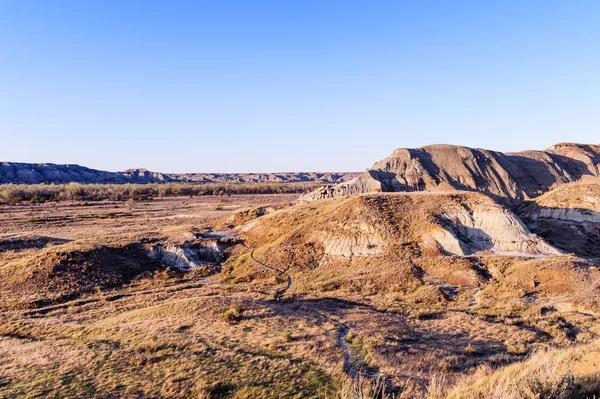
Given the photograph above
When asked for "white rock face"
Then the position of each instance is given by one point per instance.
(578, 203)
(184, 258)
(363, 245)
(465, 233)
(568, 217)
(572, 215)
(365, 183)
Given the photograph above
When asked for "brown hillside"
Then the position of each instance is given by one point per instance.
(457, 248)
(567, 217)
(411, 223)
(512, 176)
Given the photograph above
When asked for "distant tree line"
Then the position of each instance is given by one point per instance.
(39, 193)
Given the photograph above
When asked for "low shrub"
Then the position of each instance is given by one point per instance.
(232, 315)
(287, 337)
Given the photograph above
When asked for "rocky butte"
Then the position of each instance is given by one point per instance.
(510, 177)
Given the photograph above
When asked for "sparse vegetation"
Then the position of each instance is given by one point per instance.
(219, 205)
(470, 350)
(430, 325)
(40, 193)
(36, 219)
(232, 315)
(562, 373)
(445, 367)
(364, 388)
(287, 337)
(130, 203)
(516, 348)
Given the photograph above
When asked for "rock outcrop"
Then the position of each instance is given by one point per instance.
(567, 217)
(396, 226)
(28, 173)
(511, 176)
(488, 228)
(186, 258)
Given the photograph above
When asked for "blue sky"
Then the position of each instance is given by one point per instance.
(311, 85)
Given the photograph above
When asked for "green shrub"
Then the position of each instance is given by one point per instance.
(232, 315)
(287, 337)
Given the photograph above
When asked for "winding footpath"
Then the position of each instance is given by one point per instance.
(349, 360)
(344, 330)
(279, 293)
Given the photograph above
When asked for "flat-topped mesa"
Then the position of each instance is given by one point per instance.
(510, 176)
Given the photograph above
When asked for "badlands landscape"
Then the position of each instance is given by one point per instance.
(440, 272)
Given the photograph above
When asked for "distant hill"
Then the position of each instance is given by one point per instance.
(513, 176)
(30, 173)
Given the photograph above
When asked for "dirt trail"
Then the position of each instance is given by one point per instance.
(279, 293)
(350, 359)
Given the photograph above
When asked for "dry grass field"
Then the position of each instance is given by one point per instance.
(94, 303)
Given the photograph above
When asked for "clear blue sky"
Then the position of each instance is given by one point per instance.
(298, 85)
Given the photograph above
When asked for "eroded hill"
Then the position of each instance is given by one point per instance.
(510, 176)
(411, 242)
(567, 217)
(450, 256)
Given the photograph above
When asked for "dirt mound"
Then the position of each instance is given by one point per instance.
(421, 248)
(19, 243)
(567, 217)
(409, 224)
(511, 176)
(66, 273)
(188, 257)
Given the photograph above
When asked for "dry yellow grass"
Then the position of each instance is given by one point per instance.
(403, 314)
(568, 372)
